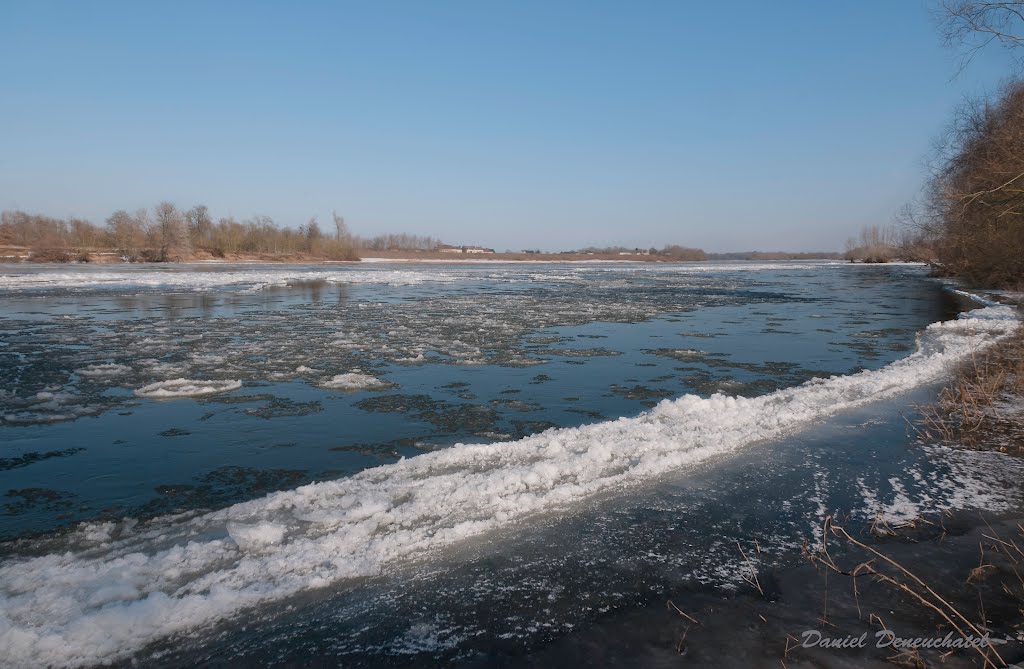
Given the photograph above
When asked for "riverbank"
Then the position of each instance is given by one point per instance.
(982, 406)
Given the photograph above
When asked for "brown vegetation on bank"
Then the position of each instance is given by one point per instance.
(962, 601)
(974, 212)
(874, 245)
(971, 217)
(970, 222)
(982, 405)
(877, 244)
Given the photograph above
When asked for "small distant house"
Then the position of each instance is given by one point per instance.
(448, 248)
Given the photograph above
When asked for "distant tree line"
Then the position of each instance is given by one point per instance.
(167, 233)
(398, 242)
(776, 255)
(676, 252)
(669, 251)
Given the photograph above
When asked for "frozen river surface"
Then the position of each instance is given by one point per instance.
(442, 462)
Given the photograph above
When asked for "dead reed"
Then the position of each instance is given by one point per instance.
(982, 405)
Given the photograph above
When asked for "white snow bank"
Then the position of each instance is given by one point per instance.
(353, 381)
(186, 388)
(101, 604)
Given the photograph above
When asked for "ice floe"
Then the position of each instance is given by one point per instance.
(354, 381)
(47, 406)
(186, 388)
(104, 371)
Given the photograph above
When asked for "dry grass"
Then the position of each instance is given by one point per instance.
(50, 254)
(877, 566)
(982, 406)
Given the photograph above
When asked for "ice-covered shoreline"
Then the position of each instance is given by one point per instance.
(174, 278)
(256, 276)
(132, 587)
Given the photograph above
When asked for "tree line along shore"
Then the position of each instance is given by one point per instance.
(166, 233)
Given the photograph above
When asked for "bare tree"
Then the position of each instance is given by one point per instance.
(874, 245)
(199, 224)
(127, 232)
(15, 228)
(312, 234)
(169, 233)
(82, 234)
(341, 232)
(975, 197)
(974, 24)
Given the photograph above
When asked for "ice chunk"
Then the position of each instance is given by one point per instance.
(103, 371)
(255, 537)
(353, 381)
(186, 388)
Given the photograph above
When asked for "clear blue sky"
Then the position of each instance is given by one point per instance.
(730, 126)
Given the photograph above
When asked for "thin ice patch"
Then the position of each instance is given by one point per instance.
(104, 371)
